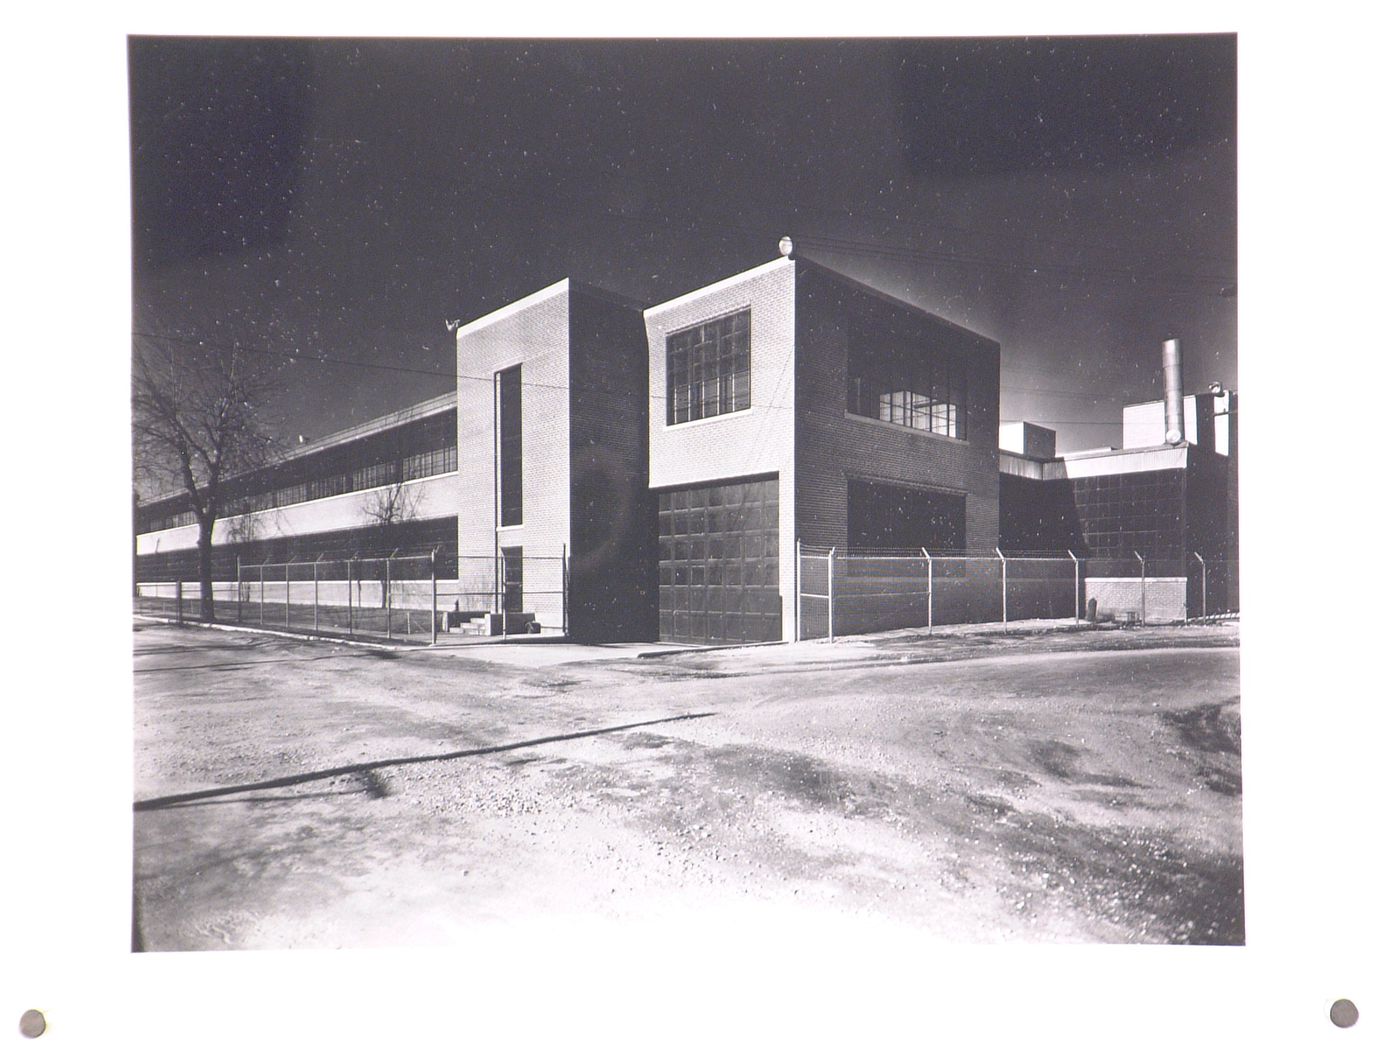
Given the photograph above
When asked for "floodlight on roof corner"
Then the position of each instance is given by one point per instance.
(785, 246)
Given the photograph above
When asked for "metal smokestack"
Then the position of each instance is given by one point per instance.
(1171, 382)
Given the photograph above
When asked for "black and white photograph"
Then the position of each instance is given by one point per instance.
(705, 538)
(640, 475)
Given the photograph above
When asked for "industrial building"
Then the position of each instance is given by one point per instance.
(791, 402)
(332, 496)
(1161, 508)
(622, 472)
(552, 436)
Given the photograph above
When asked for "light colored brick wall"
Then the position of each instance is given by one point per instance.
(739, 444)
(434, 497)
(832, 446)
(1122, 596)
(533, 333)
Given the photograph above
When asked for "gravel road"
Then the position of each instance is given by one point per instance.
(1061, 786)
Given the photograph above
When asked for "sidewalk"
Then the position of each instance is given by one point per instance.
(545, 652)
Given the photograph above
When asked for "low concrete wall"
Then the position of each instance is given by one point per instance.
(1122, 597)
(366, 594)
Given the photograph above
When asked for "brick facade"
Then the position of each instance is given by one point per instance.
(756, 441)
(797, 427)
(582, 358)
(834, 446)
(613, 564)
(534, 334)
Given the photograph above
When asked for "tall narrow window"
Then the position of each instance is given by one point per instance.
(707, 369)
(508, 427)
(512, 579)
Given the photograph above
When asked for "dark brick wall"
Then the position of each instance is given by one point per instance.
(612, 522)
(1039, 515)
(1209, 521)
(832, 447)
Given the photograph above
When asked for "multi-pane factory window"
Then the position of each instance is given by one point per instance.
(919, 388)
(427, 464)
(290, 494)
(170, 521)
(418, 449)
(258, 501)
(508, 421)
(708, 369)
(374, 475)
(320, 488)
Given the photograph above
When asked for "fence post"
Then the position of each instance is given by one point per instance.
(1142, 562)
(831, 596)
(287, 597)
(316, 593)
(350, 594)
(797, 590)
(432, 574)
(262, 593)
(388, 607)
(929, 558)
(179, 601)
(1197, 556)
(1076, 588)
(238, 588)
(1003, 587)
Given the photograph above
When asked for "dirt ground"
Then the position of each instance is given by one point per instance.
(1032, 786)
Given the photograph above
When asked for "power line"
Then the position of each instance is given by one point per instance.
(558, 188)
(875, 250)
(872, 250)
(1068, 422)
(852, 246)
(293, 355)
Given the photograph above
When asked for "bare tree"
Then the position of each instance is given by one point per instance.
(196, 422)
(386, 508)
(389, 506)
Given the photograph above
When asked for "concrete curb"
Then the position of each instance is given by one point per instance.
(239, 629)
(707, 649)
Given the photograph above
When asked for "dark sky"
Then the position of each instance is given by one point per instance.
(1072, 198)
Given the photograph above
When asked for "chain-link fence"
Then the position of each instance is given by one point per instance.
(844, 592)
(1212, 587)
(392, 598)
(381, 598)
(509, 593)
(179, 599)
(398, 598)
